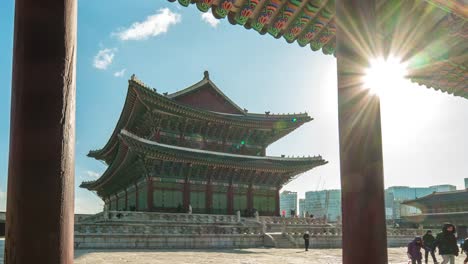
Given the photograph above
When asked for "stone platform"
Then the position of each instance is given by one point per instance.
(146, 231)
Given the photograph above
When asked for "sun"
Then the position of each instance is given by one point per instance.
(385, 75)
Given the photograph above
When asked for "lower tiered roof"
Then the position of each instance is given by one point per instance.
(138, 157)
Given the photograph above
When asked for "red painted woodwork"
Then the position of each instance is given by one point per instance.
(126, 200)
(361, 159)
(209, 198)
(250, 201)
(186, 195)
(206, 97)
(150, 194)
(40, 202)
(136, 197)
(230, 199)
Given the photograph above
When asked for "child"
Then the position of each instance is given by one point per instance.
(414, 251)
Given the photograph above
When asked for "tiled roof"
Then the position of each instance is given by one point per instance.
(431, 26)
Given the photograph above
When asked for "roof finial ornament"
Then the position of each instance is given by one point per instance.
(206, 75)
(133, 77)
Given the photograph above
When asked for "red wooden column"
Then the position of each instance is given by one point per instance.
(209, 190)
(250, 201)
(363, 208)
(136, 197)
(230, 192)
(40, 203)
(186, 194)
(209, 198)
(149, 195)
(230, 199)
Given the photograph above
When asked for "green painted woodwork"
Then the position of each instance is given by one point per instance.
(142, 197)
(197, 201)
(219, 203)
(264, 204)
(240, 202)
(167, 199)
(131, 201)
(121, 204)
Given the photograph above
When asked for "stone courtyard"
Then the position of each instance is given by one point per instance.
(232, 256)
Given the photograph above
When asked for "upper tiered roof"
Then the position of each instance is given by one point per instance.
(431, 35)
(143, 104)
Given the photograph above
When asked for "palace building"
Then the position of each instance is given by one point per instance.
(195, 148)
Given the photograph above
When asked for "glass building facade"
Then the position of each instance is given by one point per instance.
(326, 203)
(288, 203)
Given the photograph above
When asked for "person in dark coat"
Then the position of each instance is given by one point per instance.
(428, 242)
(446, 242)
(414, 250)
(306, 238)
(464, 248)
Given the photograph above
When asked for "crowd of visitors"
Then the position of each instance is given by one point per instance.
(445, 242)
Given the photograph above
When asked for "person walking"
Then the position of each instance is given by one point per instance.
(465, 249)
(446, 242)
(428, 244)
(306, 238)
(414, 250)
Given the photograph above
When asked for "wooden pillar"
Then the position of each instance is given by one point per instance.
(230, 199)
(209, 198)
(136, 197)
(186, 194)
(40, 207)
(250, 200)
(126, 200)
(149, 195)
(209, 193)
(360, 136)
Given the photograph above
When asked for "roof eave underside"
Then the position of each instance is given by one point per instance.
(313, 23)
(131, 147)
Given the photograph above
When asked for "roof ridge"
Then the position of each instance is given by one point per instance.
(206, 80)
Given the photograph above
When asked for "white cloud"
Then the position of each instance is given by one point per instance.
(153, 25)
(210, 19)
(120, 73)
(104, 58)
(92, 174)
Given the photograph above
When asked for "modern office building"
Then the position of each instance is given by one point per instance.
(288, 203)
(326, 203)
(399, 194)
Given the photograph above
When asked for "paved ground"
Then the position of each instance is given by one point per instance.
(239, 256)
(235, 256)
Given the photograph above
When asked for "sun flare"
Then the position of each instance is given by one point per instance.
(383, 75)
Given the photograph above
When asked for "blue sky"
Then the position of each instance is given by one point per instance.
(424, 131)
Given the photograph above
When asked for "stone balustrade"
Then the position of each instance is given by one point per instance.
(147, 217)
(165, 229)
(291, 220)
(337, 231)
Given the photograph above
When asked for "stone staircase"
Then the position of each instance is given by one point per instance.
(282, 240)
